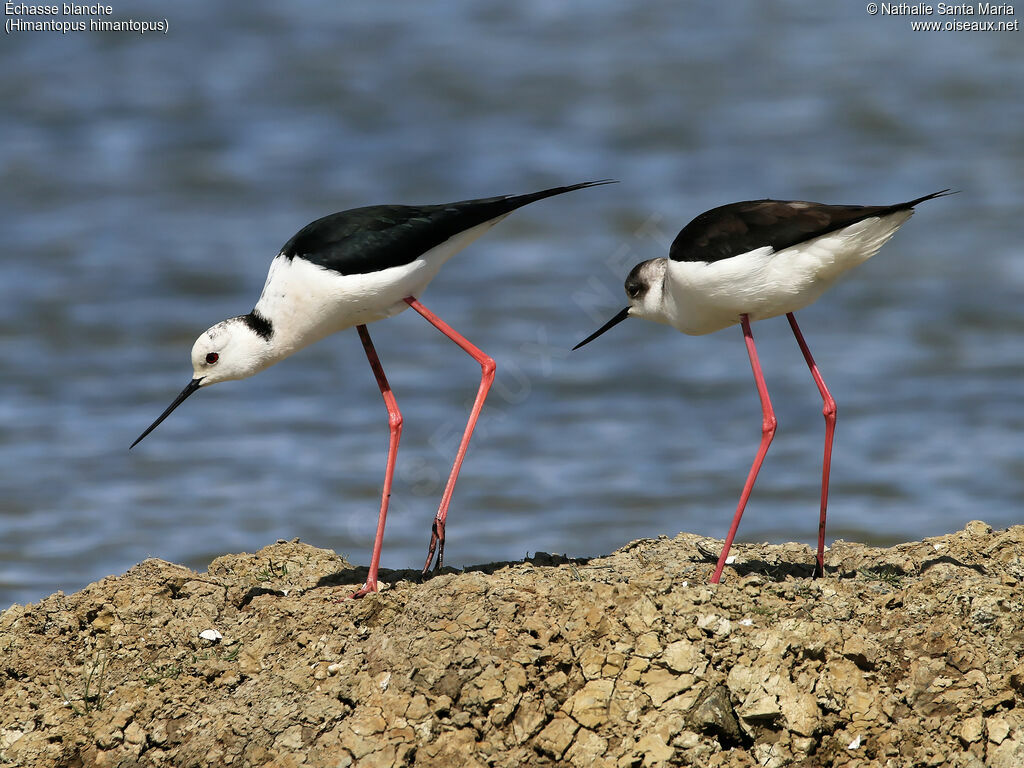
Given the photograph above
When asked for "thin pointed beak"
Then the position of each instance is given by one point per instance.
(614, 321)
(192, 387)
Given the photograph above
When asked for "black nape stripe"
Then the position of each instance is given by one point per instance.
(259, 325)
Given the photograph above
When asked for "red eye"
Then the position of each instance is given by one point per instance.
(212, 358)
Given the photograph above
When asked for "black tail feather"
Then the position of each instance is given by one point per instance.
(932, 196)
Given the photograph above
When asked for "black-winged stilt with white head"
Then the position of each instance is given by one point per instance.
(750, 261)
(350, 269)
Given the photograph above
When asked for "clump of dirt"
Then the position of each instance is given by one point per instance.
(902, 656)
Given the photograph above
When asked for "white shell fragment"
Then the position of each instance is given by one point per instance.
(855, 743)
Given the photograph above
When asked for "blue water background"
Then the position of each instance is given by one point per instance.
(148, 180)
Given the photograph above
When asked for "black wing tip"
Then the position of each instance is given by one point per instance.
(941, 193)
(552, 191)
(518, 201)
(587, 185)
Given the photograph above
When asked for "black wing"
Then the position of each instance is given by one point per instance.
(370, 239)
(742, 227)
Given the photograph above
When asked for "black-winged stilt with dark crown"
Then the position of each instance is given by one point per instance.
(350, 269)
(750, 261)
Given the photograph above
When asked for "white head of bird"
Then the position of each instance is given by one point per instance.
(235, 348)
(229, 350)
(645, 288)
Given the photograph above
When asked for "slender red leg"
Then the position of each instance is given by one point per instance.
(767, 433)
(395, 427)
(829, 410)
(486, 379)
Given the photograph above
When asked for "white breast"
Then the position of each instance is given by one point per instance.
(701, 298)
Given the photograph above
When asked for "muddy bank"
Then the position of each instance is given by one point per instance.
(910, 655)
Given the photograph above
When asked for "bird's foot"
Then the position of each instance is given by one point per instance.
(436, 545)
(367, 588)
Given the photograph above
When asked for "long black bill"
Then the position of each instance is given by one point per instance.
(614, 321)
(192, 387)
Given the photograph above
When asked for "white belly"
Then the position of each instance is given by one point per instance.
(702, 298)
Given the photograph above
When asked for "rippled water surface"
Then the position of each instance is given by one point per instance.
(147, 182)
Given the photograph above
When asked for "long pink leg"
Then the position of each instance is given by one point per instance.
(486, 379)
(395, 428)
(829, 410)
(767, 433)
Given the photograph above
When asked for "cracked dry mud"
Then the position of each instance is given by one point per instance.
(898, 657)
